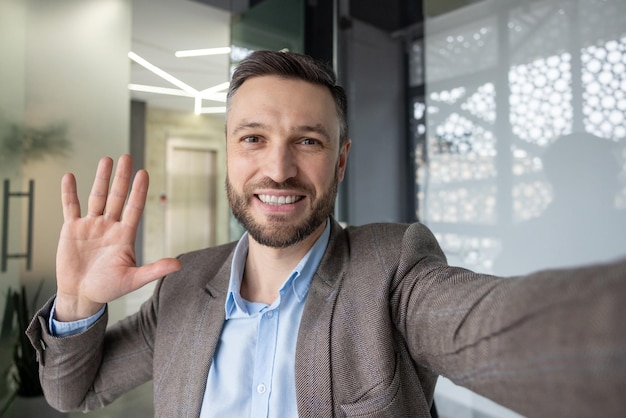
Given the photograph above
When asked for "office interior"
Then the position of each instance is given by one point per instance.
(500, 124)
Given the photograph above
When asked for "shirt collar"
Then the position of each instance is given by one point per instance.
(299, 279)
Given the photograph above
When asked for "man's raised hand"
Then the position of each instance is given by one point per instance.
(96, 260)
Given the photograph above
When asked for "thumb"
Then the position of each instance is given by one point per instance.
(154, 271)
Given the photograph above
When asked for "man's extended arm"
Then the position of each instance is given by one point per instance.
(549, 344)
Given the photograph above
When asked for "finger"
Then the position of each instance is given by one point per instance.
(100, 188)
(154, 271)
(119, 188)
(69, 198)
(137, 199)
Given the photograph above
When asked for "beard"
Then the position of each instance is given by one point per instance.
(278, 231)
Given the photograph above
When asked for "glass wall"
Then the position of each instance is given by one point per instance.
(270, 24)
(523, 162)
(12, 33)
(526, 111)
(63, 104)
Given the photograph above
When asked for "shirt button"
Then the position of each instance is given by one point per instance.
(261, 388)
(270, 314)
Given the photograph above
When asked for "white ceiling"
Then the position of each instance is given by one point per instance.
(161, 27)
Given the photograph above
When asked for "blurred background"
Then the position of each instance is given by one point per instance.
(499, 124)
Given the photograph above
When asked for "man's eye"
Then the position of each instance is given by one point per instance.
(310, 141)
(251, 139)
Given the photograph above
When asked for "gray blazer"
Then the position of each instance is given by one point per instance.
(384, 317)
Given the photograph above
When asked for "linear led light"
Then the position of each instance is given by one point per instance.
(216, 88)
(212, 92)
(202, 52)
(214, 109)
(166, 76)
(159, 90)
(216, 97)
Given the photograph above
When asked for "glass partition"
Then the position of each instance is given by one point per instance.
(63, 104)
(270, 24)
(12, 38)
(525, 149)
(526, 110)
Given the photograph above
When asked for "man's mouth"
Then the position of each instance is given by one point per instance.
(278, 200)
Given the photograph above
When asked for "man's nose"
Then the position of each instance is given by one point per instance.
(280, 164)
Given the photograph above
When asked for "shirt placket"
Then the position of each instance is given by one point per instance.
(264, 363)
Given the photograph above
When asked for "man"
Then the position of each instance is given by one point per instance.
(302, 317)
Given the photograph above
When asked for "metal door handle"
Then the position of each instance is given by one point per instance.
(28, 255)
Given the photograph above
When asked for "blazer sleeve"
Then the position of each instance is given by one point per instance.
(552, 343)
(91, 369)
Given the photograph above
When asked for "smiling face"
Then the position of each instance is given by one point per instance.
(284, 160)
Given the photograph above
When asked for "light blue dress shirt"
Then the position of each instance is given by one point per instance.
(252, 373)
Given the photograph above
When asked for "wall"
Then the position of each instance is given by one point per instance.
(376, 176)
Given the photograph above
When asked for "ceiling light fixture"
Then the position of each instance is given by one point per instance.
(215, 109)
(210, 93)
(159, 90)
(202, 52)
(214, 93)
(216, 97)
(164, 75)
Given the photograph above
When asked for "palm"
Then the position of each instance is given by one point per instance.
(94, 251)
(96, 260)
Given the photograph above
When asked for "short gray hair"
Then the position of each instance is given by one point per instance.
(295, 66)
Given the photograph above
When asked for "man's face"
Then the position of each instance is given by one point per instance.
(283, 158)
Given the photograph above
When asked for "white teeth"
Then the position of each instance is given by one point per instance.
(277, 200)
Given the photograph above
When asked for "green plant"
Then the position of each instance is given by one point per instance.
(30, 143)
(23, 373)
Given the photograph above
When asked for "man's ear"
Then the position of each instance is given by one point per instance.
(343, 159)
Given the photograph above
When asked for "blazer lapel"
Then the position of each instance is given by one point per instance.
(206, 333)
(313, 373)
